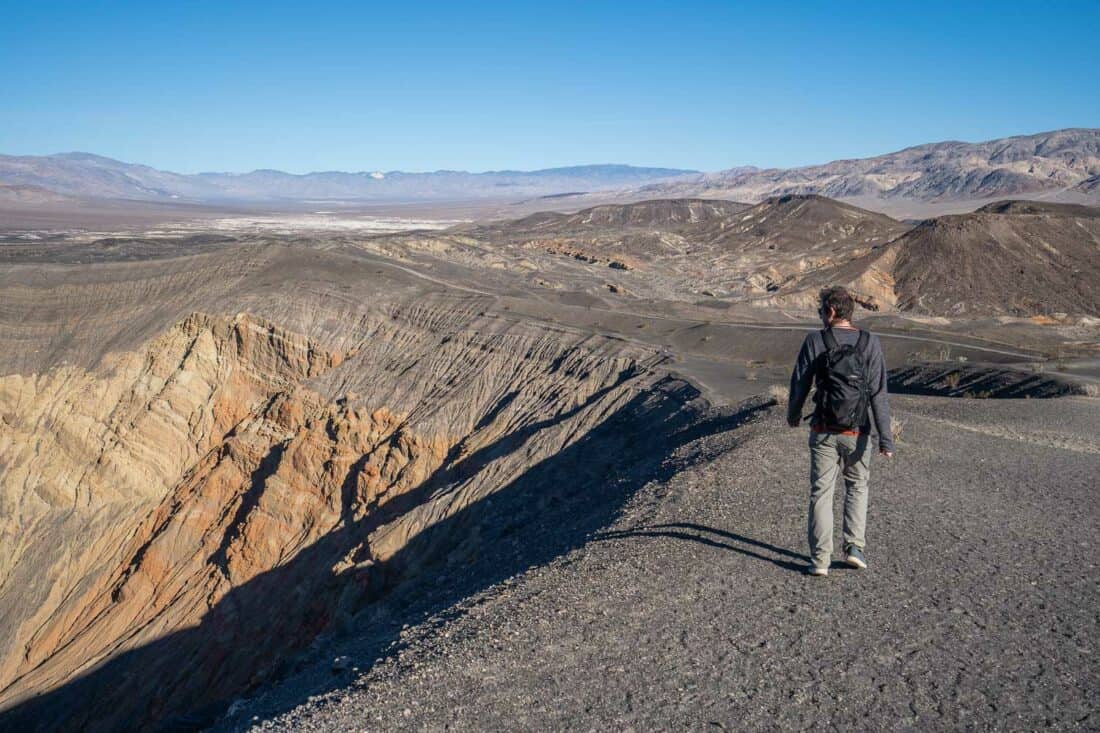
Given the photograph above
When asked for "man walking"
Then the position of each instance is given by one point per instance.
(848, 368)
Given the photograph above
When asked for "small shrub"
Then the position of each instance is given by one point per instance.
(1092, 390)
(897, 427)
(778, 393)
(952, 380)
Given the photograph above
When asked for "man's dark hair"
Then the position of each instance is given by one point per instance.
(839, 299)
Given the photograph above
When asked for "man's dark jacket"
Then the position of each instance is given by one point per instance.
(813, 349)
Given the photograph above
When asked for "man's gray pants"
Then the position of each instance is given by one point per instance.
(830, 454)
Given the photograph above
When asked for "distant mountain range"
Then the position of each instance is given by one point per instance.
(1063, 165)
(93, 176)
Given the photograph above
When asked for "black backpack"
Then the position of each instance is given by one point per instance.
(843, 394)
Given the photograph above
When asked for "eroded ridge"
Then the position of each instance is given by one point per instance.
(201, 508)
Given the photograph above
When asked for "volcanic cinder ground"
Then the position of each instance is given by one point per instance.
(532, 473)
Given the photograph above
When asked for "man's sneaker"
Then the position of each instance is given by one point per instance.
(854, 557)
(818, 570)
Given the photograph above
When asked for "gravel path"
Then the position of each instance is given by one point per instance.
(980, 609)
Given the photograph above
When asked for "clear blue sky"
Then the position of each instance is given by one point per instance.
(304, 86)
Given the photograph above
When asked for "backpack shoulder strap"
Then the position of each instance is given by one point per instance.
(861, 344)
(829, 339)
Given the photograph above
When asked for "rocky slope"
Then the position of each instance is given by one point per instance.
(85, 454)
(685, 215)
(680, 249)
(1035, 262)
(1008, 258)
(1042, 164)
(690, 612)
(1089, 186)
(183, 513)
(782, 242)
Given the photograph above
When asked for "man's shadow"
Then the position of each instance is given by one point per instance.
(709, 536)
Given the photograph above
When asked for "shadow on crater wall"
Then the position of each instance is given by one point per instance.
(187, 679)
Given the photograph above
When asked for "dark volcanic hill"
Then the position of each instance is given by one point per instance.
(83, 174)
(1010, 258)
(1015, 258)
(1046, 163)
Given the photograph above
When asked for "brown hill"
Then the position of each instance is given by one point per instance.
(1010, 258)
(688, 248)
(624, 236)
(805, 223)
(1013, 258)
(779, 245)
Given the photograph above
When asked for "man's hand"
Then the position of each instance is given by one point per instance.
(793, 421)
(887, 453)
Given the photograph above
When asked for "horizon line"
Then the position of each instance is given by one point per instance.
(678, 171)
